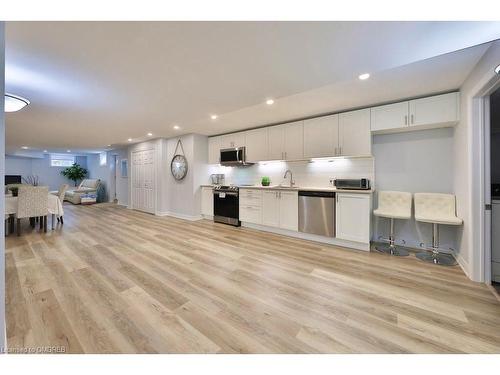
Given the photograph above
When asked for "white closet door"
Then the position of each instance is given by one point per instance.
(143, 177)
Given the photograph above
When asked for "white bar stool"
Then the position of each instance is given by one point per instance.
(436, 209)
(393, 205)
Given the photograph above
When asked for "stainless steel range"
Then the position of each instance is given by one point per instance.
(227, 205)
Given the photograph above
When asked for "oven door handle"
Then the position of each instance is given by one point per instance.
(233, 194)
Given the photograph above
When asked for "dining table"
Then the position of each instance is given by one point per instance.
(54, 206)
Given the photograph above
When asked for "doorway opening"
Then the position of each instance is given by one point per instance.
(494, 174)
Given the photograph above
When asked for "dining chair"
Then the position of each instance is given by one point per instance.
(61, 193)
(32, 202)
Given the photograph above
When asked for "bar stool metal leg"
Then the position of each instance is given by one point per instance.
(434, 256)
(391, 248)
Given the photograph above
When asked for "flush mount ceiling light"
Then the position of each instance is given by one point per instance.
(24, 147)
(213, 117)
(497, 69)
(150, 134)
(269, 101)
(177, 127)
(14, 103)
(364, 76)
(130, 139)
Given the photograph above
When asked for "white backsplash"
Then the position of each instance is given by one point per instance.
(305, 173)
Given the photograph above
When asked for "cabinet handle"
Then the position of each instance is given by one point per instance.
(406, 119)
(411, 119)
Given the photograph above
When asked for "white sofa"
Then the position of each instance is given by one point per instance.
(87, 186)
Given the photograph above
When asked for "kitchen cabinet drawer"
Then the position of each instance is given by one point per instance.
(250, 214)
(251, 198)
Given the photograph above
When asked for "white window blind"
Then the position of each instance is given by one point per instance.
(102, 158)
(61, 160)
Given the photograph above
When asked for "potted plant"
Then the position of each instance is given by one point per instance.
(266, 181)
(74, 173)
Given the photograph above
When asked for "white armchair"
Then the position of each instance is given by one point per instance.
(87, 186)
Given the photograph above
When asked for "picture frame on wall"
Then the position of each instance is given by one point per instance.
(124, 168)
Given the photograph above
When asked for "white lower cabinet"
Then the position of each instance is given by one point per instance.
(352, 218)
(207, 201)
(289, 210)
(270, 208)
(280, 209)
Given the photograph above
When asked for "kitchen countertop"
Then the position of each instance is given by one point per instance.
(297, 188)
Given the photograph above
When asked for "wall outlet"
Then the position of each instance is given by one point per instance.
(332, 181)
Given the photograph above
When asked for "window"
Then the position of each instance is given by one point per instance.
(102, 158)
(57, 160)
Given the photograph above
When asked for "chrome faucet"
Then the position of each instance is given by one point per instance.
(292, 182)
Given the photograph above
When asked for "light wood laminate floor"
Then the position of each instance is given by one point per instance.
(113, 280)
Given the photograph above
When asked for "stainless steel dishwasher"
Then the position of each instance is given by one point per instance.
(317, 212)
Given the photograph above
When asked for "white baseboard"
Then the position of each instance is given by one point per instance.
(310, 237)
(463, 264)
(180, 216)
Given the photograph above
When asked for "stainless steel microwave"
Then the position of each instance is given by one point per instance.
(353, 184)
(233, 156)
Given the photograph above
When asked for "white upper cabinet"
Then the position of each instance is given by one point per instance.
(233, 140)
(294, 140)
(321, 136)
(391, 116)
(426, 113)
(355, 138)
(256, 142)
(214, 150)
(276, 142)
(439, 109)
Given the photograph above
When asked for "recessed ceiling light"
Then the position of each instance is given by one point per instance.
(24, 147)
(15, 103)
(214, 117)
(150, 134)
(177, 127)
(364, 76)
(68, 150)
(109, 145)
(269, 101)
(45, 151)
(130, 139)
(497, 69)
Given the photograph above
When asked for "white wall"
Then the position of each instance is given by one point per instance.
(420, 161)
(2, 197)
(48, 176)
(183, 198)
(466, 169)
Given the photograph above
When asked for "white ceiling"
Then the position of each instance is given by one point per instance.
(96, 83)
